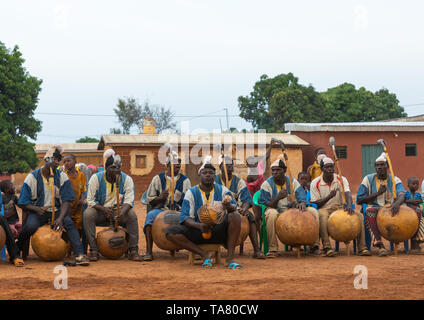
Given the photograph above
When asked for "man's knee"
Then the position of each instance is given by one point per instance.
(89, 215)
(234, 217)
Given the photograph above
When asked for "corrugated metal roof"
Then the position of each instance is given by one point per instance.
(207, 138)
(356, 126)
(70, 147)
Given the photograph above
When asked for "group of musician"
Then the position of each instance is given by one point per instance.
(80, 206)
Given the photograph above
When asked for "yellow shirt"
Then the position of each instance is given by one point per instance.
(315, 171)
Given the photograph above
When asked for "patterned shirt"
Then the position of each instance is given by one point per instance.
(238, 188)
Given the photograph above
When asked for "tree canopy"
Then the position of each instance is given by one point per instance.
(282, 99)
(87, 139)
(130, 113)
(18, 101)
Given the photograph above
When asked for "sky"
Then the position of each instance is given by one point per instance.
(197, 57)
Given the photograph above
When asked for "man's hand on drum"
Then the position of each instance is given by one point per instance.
(58, 223)
(301, 206)
(348, 208)
(228, 206)
(395, 208)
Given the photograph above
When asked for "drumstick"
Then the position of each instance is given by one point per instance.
(117, 202)
(383, 143)
(225, 166)
(332, 143)
(53, 195)
(172, 179)
(283, 148)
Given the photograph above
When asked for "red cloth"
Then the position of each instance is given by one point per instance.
(255, 186)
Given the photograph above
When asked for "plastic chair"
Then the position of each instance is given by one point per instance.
(264, 235)
(3, 250)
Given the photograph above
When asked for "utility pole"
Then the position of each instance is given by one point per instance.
(226, 114)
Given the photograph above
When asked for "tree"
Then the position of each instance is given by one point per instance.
(278, 100)
(345, 103)
(18, 101)
(87, 139)
(130, 113)
(282, 99)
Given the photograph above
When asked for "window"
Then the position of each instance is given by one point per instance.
(411, 150)
(341, 152)
(140, 161)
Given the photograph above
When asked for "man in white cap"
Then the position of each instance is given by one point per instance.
(274, 193)
(244, 201)
(326, 193)
(36, 197)
(376, 190)
(188, 234)
(157, 195)
(102, 202)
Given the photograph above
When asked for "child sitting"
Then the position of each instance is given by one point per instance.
(9, 202)
(413, 199)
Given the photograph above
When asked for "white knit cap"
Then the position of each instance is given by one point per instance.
(276, 163)
(320, 157)
(381, 158)
(327, 160)
(174, 156)
(206, 160)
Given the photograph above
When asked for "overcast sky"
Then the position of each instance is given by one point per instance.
(198, 56)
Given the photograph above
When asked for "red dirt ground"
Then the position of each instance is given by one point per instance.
(284, 277)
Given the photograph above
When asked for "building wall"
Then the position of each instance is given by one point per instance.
(142, 178)
(351, 167)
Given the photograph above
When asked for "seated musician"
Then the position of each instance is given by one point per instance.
(188, 234)
(326, 193)
(376, 190)
(157, 195)
(12, 248)
(244, 201)
(36, 198)
(275, 192)
(102, 202)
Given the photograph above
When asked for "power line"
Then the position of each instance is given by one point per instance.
(111, 115)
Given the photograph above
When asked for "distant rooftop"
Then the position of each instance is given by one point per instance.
(357, 126)
(69, 147)
(207, 138)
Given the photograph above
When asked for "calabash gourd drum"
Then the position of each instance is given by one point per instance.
(295, 228)
(112, 244)
(344, 227)
(397, 228)
(2, 237)
(162, 221)
(48, 244)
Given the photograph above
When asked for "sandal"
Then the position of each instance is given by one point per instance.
(148, 257)
(364, 252)
(259, 255)
(271, 254)
(382, 252)
(234, 266)
(314, 251)
(207, 263)
(329, 253)
(18, 262)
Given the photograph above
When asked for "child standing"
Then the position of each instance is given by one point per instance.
(413, 199)
(10, 201)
